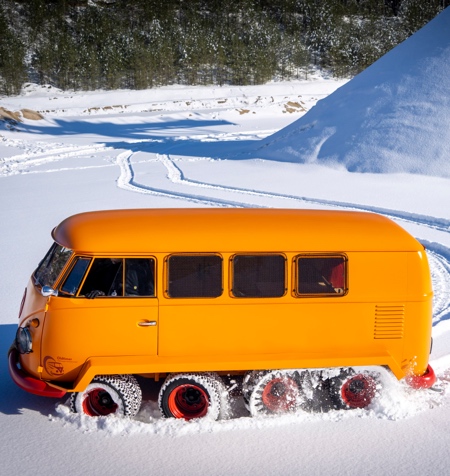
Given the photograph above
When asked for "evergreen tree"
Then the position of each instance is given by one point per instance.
(12, 58)
(90, 44)
(416, 13)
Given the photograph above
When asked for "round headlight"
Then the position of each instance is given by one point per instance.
(23, 340)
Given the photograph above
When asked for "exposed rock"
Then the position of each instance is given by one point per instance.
(9, 116)
(16, 116)
(32, 115)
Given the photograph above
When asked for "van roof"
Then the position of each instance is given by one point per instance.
(141, 231)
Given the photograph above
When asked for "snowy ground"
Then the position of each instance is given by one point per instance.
(181, 147)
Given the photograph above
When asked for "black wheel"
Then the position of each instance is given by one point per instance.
(108, 395)
(190, 396)
(276, 391)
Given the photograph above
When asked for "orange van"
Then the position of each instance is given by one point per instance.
(306, 307)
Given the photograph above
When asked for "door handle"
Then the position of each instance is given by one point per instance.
(147, 323)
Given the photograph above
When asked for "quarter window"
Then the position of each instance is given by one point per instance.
(324, 275)
(194, 276)
(258, 275)
(73, 281)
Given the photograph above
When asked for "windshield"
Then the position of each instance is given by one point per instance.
(51, 266)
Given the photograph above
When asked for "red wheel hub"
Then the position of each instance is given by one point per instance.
(280, 394)
(358, 391)
(427, 380)
(98, 402)
(188, 401)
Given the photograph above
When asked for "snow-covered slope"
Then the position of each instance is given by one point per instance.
(393, 117)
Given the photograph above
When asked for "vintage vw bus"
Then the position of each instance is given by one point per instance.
(307, 307)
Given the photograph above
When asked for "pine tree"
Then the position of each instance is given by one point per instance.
(90, 44)
(12, 55)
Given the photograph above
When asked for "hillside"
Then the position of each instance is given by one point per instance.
(140, 44)
(393, 117)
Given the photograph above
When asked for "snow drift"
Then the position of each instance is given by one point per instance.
(393, 117)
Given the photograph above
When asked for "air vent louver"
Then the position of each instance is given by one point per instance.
(389, 321)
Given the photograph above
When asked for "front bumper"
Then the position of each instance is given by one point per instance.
(28, 383)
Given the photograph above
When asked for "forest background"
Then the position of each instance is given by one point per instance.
(139, 44)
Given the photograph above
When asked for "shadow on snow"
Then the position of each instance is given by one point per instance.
(148, 136)
(14, 400)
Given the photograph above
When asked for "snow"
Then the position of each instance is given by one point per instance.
(202, 147)
(391, 118)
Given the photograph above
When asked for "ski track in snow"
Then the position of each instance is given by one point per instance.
(43, 153)
(438, 257)
(176, 176)
(126, 181)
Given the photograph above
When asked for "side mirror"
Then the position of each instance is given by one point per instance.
(48, 291)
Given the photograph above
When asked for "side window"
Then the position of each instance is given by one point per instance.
(120, 277)
(324, 275)
(139, 277)
(258, 275)
(194, 276)
(105, 278)
(73, 280)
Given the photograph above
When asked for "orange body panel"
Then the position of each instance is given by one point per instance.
(382, 318)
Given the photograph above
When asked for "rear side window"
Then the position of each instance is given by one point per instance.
(194, 276)
(258, 275)
(51, 266)
(321, 275)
